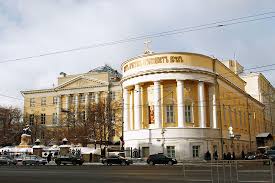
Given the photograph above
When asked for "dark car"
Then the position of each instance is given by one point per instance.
(115, 159)
(70, 159)
(250, 156)
(160, 159)
(271, 154)
(7, 160)
(33, 160)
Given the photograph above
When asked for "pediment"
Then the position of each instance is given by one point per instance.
(80, 82)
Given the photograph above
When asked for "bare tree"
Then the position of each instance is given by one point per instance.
(10, 125)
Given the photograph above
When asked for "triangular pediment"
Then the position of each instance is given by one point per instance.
(81, 81)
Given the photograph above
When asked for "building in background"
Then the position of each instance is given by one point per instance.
(185, 104)
(86, 106)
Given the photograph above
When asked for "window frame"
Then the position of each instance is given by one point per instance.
(43, 101)
(42, 118)
(171, 151)
(170, 114)
(196, 151)
(55, 100)
(32, 102)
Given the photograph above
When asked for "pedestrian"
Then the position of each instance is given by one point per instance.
(224, 156)
(233, 156)
(243, 155)
(49, 157)
(207, 156)
(228, 156)
(215, 155)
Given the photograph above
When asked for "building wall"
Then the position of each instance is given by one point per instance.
(234, 107)
(93, 83)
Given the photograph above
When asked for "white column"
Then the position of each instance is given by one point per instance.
(157, 105)
(201, 105)
(67, 107)
(131, 112)
(125, 109)
(137, 107)
(212, 107)
(97, 97)
(58, 108)
(86, 105)
(180, 101)
(76, 105)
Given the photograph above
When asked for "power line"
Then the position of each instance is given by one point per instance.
(165, 88)
(216, 24)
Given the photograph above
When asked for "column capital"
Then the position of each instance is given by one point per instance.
(156, 82)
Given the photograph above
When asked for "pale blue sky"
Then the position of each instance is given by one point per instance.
(33, 27)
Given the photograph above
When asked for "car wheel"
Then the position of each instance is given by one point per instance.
(44, 163)
(170, 163)
(151, 163)
(123, 163)
(24, 163)
(36, 164)
(58, 163)
(81, 163)
(105, 163)
(74, 163)
(64, 163)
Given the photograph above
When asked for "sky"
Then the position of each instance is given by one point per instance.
(35, 27)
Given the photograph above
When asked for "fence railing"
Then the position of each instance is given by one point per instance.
(228, 171)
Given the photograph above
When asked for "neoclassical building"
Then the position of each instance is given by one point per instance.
(183, 104)
(72, 102)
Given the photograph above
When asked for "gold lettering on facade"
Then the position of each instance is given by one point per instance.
(154, 60)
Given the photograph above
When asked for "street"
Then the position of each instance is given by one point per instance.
(100, 174)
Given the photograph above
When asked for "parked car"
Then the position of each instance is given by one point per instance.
(160, 159)
(271, 154)
(7, 160)
(116, 159)
(34, 160)
(70, 159)
(250, 156)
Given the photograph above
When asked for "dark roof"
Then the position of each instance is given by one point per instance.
(106, 68)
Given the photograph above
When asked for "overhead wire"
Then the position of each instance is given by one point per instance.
(217, 24)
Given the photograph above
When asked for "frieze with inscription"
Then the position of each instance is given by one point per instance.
(154, 60)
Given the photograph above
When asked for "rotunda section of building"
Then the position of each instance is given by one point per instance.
(169, 105)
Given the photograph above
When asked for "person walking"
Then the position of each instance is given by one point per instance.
(215, 155)
(243, 155)
(49, 157)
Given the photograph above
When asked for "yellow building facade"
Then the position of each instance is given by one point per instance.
(184, 104)
(74, 97)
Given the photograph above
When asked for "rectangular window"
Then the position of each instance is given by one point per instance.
(236, 119)
(230, 116)
(82, 98)
(113, 116)
(224, 115)
(54, 118)
(188, 114)
(31, 122)
(32, 102)
(43, 118)
(92, 97)
(43, 101)
(171, 151)
(170, 113)
(241, 122)
(196, 151)
(83, 115)
(54, 100)
(113, 95)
